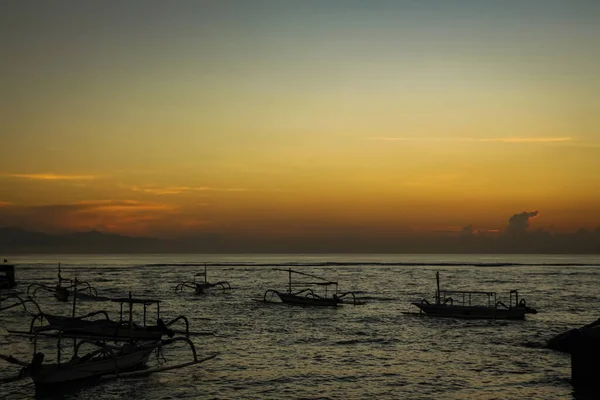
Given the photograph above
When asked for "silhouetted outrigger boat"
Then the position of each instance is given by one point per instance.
(307, 296)
(105, 363)
(104, 327)
(62, 292)
(461, 305)
(203, 285)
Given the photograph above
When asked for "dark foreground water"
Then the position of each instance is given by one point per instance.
(352, 352)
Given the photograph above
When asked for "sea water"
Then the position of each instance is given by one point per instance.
(382, 349)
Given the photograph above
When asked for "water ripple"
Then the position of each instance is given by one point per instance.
(353, 352)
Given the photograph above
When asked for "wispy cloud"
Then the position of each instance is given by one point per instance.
(4, 203)
(454, 229)
(182, 189)
(157, 191)
(471, 139)
(447, 229)
(429, 229)
(116, 206)
(125, 216)
(519, 140)
(49, 177)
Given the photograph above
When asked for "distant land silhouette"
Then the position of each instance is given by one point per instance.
(16, 240)
(513, 240)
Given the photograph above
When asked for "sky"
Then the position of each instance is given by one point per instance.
(299, 119)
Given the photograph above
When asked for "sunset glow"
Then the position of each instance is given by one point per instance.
(305, 120)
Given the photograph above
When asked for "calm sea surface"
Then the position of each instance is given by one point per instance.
(374, 350)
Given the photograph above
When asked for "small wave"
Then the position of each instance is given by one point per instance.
(376, 263)
(365, 341)
(87, 297)
(534, 345)
(375, 298)
(313, 398)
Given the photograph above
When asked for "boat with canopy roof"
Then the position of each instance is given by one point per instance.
(472, 304)
(308, 296)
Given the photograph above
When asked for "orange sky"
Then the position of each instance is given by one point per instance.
(297, 121)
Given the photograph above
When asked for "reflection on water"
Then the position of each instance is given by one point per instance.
(276, 351)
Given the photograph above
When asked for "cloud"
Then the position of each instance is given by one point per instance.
(50, 177)
(88, 207)
(157, 191)
(520, 140)
(114, 206)
(181, 189)
(397, 139)
(447, 229)
(467, 231)
(518, 223)
(155, 219)
(481, 140)
(124, 216)
(436, 229)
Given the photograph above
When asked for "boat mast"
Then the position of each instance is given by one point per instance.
(73, 315)
(58, 348)
(437, 293)
(130, 314)
(74, 296)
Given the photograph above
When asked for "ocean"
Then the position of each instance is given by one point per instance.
(382, 349)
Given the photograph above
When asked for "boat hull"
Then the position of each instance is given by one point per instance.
(471, 312)
(308, 301)
(61, 294)
(202, 288)
(47, 376)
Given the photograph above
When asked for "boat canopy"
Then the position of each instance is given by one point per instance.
(468, 292)
(320, 282)
(129, 300)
